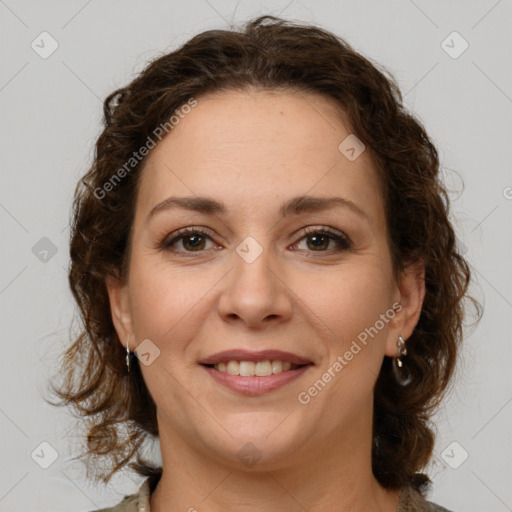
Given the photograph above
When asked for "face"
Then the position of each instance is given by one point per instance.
(301, 291)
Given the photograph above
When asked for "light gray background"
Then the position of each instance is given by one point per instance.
(51, 114)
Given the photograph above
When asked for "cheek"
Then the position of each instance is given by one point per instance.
(346, 306)
(167, 301)
(353, 294)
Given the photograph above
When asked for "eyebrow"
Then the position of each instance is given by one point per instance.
(295, 206)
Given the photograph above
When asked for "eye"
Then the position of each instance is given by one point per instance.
(187, 240)
(321, 240)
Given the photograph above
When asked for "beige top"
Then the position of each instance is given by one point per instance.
(410, 501)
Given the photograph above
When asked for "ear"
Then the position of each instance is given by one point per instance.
(410, 295)
(120, 308)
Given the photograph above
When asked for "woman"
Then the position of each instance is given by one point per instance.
(264, 224)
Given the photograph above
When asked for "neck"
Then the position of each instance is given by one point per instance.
(328, 474)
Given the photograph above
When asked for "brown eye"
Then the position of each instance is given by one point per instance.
(193, 242)
(324, 240)
(186, 240)
(318, 241)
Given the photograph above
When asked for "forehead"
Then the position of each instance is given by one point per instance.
(250, 145)
(258, 118)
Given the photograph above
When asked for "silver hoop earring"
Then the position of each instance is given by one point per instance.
(402, 374)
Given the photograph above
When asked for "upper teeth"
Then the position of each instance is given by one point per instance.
(251, 369)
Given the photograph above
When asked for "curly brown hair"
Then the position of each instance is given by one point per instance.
(269, 53)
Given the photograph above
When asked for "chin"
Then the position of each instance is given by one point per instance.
(256, 440)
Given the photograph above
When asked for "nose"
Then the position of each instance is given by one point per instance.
(256, 293)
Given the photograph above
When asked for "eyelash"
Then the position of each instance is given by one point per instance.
(343, 242)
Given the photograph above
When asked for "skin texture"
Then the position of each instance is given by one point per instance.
(254, 150)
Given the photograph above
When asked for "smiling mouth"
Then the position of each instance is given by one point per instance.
(255, 369)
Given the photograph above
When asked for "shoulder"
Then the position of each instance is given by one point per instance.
(129, 504)
(138, 502)
(412, 501)
(436, 508)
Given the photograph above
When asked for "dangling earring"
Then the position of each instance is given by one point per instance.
(128, 354)
(402, 375)
(376, 444)
(402, 351)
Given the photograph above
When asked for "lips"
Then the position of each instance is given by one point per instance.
(255, 373)
(255, 357)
